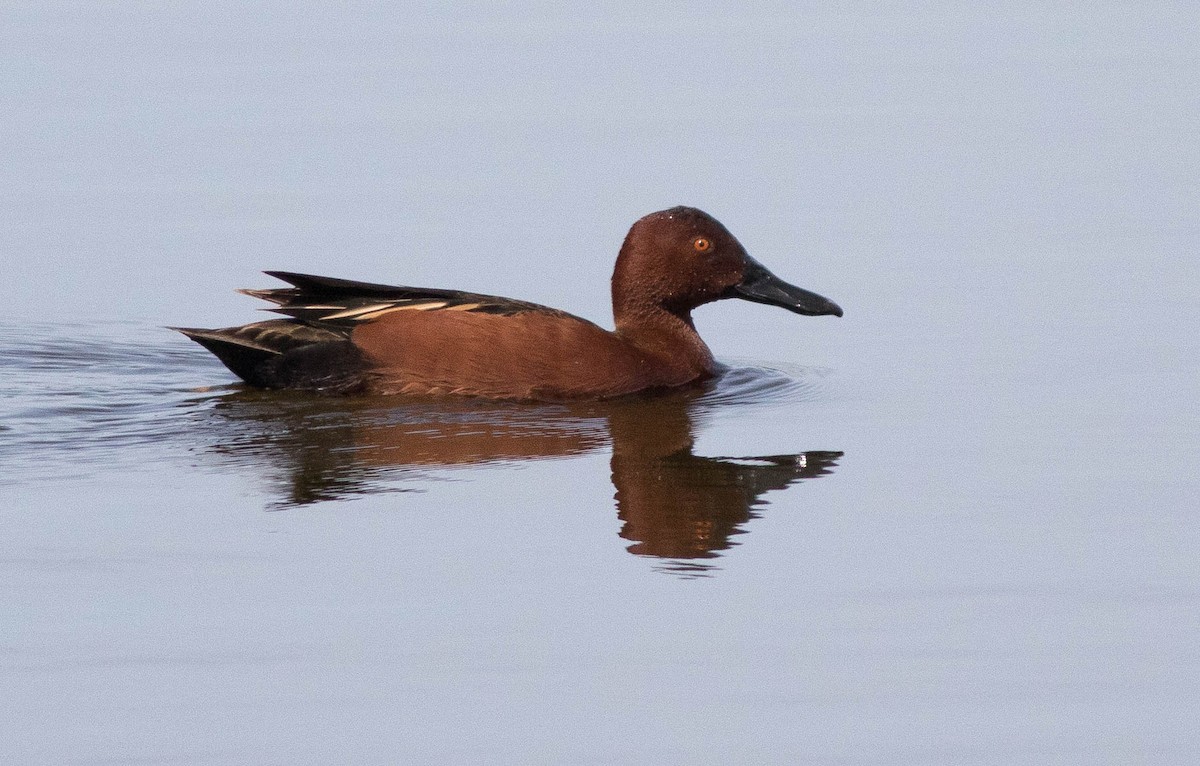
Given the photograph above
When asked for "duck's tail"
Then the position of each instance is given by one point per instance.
(282, 353)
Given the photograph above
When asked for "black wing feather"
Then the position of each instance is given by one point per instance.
(343, 303)
(331, 287)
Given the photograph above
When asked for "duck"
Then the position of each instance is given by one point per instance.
(346, 337)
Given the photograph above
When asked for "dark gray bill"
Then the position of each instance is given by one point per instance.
(761, 286)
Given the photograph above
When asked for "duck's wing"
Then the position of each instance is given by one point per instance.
(342, 303)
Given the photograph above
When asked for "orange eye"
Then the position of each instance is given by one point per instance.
(702, 245)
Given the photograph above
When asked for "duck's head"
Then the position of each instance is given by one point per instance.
(682, 258)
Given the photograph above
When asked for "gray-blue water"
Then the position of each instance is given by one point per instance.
(957, 526)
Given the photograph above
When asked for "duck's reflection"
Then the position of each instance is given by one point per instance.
(672, 503)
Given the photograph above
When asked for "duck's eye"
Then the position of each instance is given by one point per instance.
(702, 245)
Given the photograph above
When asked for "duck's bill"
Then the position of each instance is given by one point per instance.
(761, 286)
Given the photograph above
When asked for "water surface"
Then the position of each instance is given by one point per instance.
(955, 527)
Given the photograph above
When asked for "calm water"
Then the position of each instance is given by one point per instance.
(957, 526)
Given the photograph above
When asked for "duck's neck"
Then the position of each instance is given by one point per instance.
(666, 335)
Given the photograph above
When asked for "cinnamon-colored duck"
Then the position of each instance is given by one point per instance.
(349, 337)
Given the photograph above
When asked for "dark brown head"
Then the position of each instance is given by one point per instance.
(682, 258)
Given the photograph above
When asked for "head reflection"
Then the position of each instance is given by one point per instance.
(681, 506)
(673, 505)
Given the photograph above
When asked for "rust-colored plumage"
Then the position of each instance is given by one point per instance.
(346, 337)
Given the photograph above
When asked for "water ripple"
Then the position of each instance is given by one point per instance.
(750, 383)
(79, 395)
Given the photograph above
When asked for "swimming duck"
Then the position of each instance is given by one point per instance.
(357, 337)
